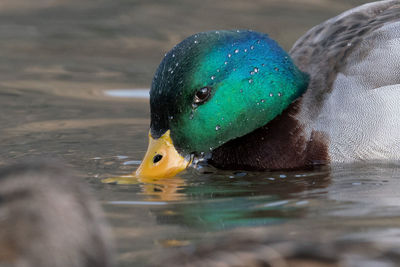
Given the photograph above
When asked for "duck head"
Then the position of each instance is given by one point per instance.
(211, 88)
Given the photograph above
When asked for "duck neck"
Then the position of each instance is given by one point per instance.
(280, 144)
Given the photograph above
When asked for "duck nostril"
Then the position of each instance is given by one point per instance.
(157, 158)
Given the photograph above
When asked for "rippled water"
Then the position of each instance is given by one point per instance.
(67, 72)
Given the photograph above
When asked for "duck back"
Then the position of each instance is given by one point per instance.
(354, 92)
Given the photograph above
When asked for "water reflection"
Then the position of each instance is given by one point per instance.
(220, 200)
(152, 188)
(163, 189)
(337, 210)
(354, 212)
(128, 93)
(375, 188)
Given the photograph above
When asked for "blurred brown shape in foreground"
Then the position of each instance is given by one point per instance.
(49, 219)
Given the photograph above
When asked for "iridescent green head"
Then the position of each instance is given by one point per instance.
(220, 85)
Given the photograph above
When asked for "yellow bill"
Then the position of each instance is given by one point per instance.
(161, 159)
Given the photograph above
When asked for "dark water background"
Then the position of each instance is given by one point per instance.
(60, 58)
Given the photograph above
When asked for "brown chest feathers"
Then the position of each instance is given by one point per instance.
(280, 144)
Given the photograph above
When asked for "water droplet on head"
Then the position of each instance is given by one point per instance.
(217, 70)
(229, 55)
(271, 94)
(251, 80)
(236, 51)
(212, 77)
(252, 47)
(276, 69)
(262, 100)
(258, 103)
(196, 42)
(226, 62)
(217, 128)
(252, 72)
(171, 118)
(177, 64)
(279, 94)
(173, 55)
(237, 31)
(245, 50)
(255, 69)
(263, 64)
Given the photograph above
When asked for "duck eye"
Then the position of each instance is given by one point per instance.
(202, 95)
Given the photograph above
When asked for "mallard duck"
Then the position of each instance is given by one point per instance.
(49, 219)
(237, 99)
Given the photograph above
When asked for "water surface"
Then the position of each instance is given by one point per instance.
(67, 72)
